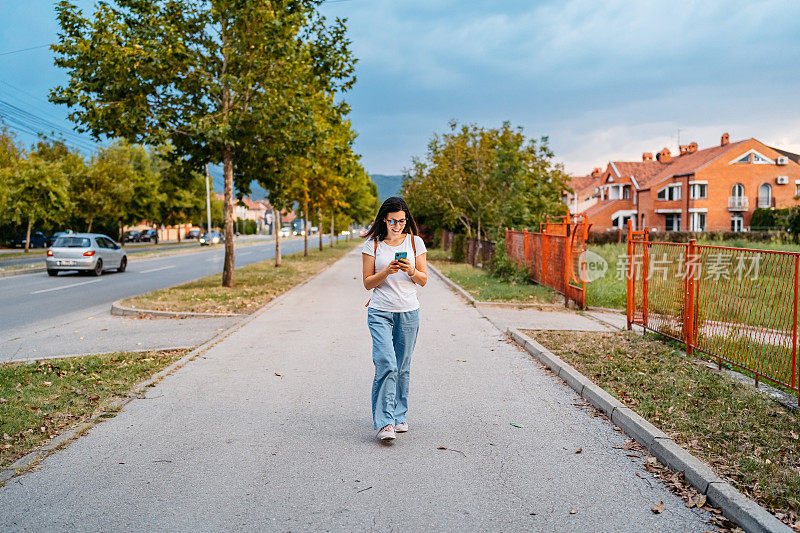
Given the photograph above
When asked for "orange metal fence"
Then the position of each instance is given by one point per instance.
(737, 305)
(555, 255)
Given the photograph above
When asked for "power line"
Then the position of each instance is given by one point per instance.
(25, 121)
(23, 49)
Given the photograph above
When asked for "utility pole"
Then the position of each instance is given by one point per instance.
(208, 200)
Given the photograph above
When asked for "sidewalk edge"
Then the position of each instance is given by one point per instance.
(453, 286)
(31, 459)
(734, 505)
(117, 309)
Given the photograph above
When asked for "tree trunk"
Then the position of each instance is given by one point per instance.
(28, 236)
(89, 229)
(179, 233)
(319, 227)
(121, 237)
(277, 238)
(227, 167)
(331, 228)
(305, 228)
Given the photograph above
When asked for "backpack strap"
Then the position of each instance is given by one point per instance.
(413, 245)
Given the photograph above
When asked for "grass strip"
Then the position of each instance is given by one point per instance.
(255, 284)
(41, 399)
(746, 437)
(487, 288)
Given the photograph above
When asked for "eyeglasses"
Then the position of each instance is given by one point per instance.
(401, 222)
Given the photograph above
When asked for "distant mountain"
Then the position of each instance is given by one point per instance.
(387, 185)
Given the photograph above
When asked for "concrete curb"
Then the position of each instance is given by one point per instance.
(734, 505)
(454, 286)
(21, 465)
(117, 309)
(22, 271)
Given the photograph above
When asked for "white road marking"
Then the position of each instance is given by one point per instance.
(67, 286)
(157, 269)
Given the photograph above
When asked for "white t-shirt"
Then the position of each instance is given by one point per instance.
(397, 293)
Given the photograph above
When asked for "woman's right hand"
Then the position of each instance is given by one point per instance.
(393, 267)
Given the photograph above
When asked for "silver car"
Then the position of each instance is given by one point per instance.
(85, 251)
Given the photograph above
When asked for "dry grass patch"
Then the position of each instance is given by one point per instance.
(746, 437)
(255, 284)
(41, 399)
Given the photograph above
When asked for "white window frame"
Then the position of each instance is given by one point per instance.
(694, 220)
(673, 215)
(694, 186)
(738, 218)
(666, 191)
(737, 159)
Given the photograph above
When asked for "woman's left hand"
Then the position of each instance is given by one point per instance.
(405, 266)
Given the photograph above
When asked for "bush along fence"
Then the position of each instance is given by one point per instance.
(554, 256)
(737, 305)
(477, 252)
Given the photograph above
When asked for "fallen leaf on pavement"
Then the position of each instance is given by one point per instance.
(579, 450)
(516, 425)
(573, 511)
(278, 374)
(658, 508)
(461, 360)
(532, 514)
(701, 501)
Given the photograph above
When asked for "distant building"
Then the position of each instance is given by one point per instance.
(716, 188)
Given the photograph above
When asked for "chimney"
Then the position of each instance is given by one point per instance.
(725, 139)
(692, 147)
(596, 173)
(684, 148)
(664, 156)
(647, 156)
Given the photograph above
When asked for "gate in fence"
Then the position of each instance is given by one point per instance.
(736, 305)
(554, 256)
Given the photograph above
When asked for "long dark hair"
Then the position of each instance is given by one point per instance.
(378, 230)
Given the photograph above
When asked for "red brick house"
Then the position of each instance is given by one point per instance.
(716, 188)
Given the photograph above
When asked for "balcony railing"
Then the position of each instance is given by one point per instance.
(738, 203)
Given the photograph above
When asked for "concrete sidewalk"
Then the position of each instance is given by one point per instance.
(226, 444)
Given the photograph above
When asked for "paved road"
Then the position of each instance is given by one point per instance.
(225, 444)
(42, 316)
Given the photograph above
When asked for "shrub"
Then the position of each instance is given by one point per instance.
(458, 250)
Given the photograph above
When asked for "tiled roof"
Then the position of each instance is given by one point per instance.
(790, 155)
(602, 206)
(686, 163)
(581, 184)
(640, 170)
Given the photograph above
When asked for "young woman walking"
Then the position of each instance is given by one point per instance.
(393, 264)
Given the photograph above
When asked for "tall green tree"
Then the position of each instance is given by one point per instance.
(481, 179)
(37, 191)
(219, 79)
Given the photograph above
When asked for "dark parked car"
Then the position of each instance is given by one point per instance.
(38, 240)
(131, 236)
(193, 234)
(150, 235)
(212, 237)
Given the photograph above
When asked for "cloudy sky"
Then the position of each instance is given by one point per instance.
(604, 80)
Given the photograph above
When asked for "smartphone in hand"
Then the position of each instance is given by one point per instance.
(400, 255)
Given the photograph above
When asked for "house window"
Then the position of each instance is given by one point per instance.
(626, 192)
(642, 221)
(738, 190)
(765, 195)
(670, 192)
(697, 221)
(797, 190)
(698, 191)
(737, 222)
(760, 159)
(744, 159)
(672, 222)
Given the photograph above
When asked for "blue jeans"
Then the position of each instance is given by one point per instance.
(393, 338)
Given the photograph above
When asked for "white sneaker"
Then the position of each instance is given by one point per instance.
(402, 427)
(386, 433)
